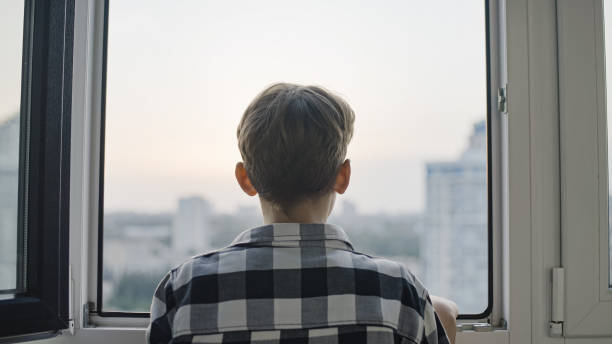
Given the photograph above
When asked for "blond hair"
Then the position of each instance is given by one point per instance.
(293, 140)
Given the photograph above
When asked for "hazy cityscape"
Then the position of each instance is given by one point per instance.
(446, 246)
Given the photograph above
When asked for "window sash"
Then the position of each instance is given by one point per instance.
(584, 175)
(40, 304)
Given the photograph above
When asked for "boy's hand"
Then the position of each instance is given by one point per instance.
(447, 312)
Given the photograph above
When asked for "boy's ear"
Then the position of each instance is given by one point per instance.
(244, 181)
(343, 178)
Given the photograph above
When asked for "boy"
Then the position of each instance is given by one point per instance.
(295, 279)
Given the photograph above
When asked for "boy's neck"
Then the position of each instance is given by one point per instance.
(309, 211)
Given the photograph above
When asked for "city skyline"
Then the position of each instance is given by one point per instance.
(414, 180)
(136, 244)
(432, 244)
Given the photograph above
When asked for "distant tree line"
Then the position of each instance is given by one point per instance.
(134, 291)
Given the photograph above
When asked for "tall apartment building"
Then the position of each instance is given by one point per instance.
(190, 230)
(454, 245)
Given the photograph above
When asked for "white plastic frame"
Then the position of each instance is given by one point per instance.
(584, 175)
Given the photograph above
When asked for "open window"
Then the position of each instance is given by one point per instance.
(35, 166)
(177, 77)
(35, 106)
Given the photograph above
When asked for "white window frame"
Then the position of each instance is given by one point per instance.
(515, 162)
(584, 175)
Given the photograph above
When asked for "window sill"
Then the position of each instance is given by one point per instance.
(120, 335)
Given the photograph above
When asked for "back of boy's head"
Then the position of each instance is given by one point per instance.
(293, 141)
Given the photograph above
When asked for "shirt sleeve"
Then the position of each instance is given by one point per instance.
(160, 330)
(434, 332)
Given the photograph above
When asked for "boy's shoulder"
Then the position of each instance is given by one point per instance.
(203, 264)
(232, 259)
(389, 268)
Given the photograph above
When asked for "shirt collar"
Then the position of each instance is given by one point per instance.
(307, 233)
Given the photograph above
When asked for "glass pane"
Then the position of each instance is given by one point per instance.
(608, 52)
(11, 38)
(180, 76)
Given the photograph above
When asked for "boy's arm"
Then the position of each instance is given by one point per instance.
(159, 330)
(447, 312)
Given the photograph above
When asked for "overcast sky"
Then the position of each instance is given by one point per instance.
(180, 74)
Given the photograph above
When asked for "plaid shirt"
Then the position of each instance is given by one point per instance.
(292, 283)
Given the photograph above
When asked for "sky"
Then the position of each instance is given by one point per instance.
(180, 75)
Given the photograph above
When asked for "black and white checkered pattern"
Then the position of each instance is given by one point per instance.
(292, 283)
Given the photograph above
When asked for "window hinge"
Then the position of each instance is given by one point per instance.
(70, 301)
(558, 302)
(71, 327)
(502, 99)
(88, 308)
